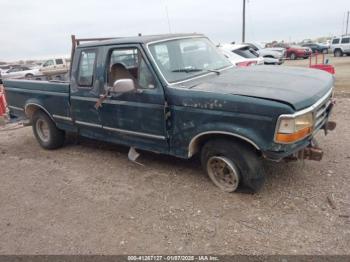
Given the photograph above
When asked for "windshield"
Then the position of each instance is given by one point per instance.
(182, 59)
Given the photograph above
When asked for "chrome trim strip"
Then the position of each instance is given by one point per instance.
(84, 98)
(128, 132)
(16, 108)
(134, 133)
(176, 38)
(62, 117)
(193, 140)
(88, 124)
(132, 103)
(302, 112)
(35, 91)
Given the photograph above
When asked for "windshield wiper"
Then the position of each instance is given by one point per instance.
(189, 70)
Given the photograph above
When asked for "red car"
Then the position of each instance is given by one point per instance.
(294, 52)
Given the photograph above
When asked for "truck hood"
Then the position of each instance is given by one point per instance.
(297, 87)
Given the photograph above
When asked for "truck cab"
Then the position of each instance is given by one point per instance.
(178, 95)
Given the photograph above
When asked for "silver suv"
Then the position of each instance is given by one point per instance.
(341, 45)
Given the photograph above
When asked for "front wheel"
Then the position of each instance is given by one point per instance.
(46, 132)
(232, 165)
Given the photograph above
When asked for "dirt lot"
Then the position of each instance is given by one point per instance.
(89, 198)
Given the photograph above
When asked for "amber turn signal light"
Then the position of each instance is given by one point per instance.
(288, 138)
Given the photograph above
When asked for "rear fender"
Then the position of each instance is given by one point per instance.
(32, 105)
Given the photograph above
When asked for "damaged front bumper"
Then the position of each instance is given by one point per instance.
(306, 150)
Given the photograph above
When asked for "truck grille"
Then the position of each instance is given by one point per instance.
(321, 112)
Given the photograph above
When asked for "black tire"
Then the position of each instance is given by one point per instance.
(29, 76)
(52, 137)
(293, 56)
(243, 157)
(338, 53)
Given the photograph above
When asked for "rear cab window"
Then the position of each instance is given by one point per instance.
(59, 61)
(86, 68)
(335, 41)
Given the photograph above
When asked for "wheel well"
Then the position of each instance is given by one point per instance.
(336, 49)
(197, 142)
(269, 56)
(30, 109)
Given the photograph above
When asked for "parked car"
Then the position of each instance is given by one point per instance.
(341, 45)
(182, 97)
(241, 55)
(4, 68)
(54, 66)
(19, 72)
(294, 52)
(317, 48)
(271, 56)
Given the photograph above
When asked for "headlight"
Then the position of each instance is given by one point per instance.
(294, 128)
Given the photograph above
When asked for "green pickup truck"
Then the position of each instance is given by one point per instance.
(178, 95)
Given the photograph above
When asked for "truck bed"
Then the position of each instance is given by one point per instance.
(50, 96)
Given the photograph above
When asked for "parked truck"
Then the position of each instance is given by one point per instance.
(178, 95)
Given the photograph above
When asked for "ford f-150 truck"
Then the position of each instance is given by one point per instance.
(177, 95)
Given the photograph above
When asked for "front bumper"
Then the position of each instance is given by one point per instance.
(307, 149)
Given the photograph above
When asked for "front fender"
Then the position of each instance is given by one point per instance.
(191, 125)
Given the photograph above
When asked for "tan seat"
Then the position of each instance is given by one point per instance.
(119, 71)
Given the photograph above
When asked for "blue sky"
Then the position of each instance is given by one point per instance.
(40, 29)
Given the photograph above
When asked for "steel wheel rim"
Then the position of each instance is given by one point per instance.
(224, 173)
(43, 130)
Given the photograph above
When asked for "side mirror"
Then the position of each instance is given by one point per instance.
(123, 86)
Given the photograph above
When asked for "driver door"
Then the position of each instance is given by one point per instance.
(136, 118)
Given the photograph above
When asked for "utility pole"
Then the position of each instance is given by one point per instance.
(347, 24)
(243, 23)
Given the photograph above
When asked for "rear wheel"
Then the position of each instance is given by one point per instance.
(46, 132)
(232, 165)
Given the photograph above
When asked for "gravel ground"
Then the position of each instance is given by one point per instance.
(87, 198)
